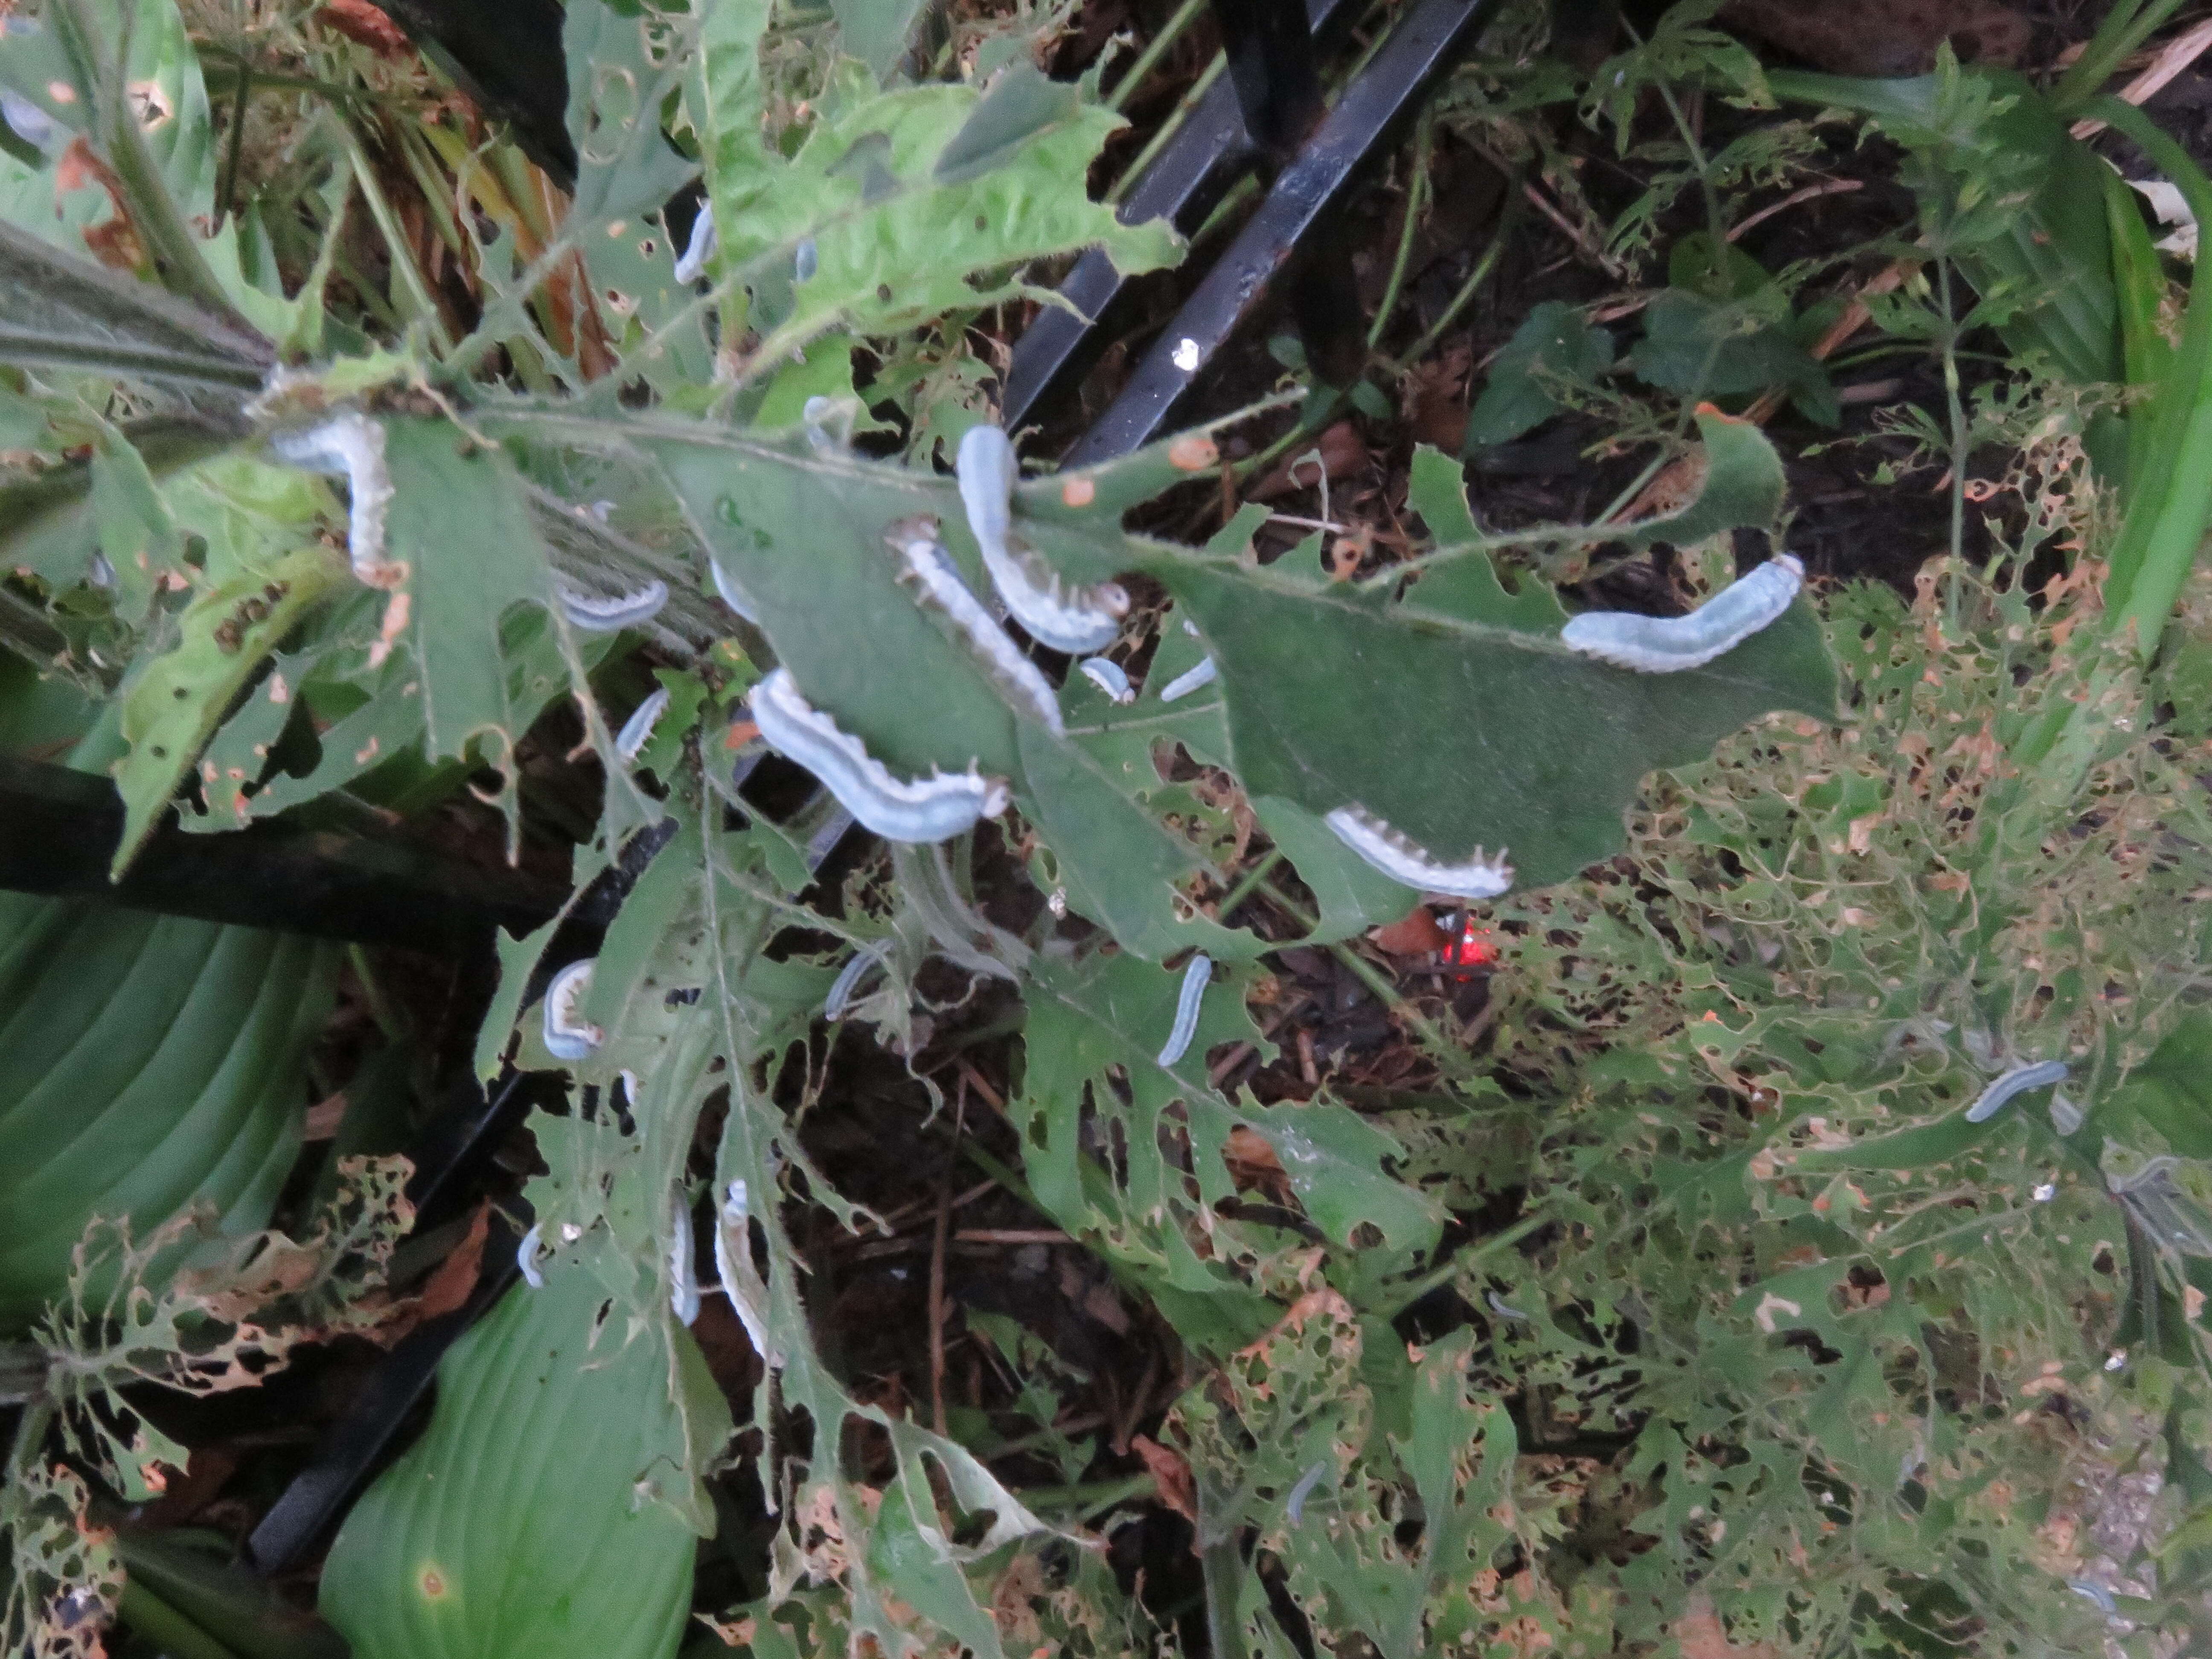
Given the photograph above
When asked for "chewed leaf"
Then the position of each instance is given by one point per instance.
(1460, 733)
(461, 526)
(1113, 1015)
(177, 703)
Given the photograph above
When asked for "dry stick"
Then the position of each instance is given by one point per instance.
(1809, 193)
(1856, 316)
(2178, 55)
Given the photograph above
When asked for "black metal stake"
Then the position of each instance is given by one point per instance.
(1208, 153)
(1391, 86)
(1272, 65)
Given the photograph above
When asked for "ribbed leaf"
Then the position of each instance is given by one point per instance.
(147, 1065)
(531, 1518)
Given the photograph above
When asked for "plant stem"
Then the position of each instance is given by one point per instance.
(1444, 1272)
(1155, 49)
(1417, 196)
(1509, 216)
(1243, 890)
(1169, 128)
(420, 304)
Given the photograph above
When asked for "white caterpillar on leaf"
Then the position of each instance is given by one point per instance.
(1190, 680)
(1108, 677)
(1668, 645)
(936, 583)
(350, 446)
(917, 811)
(1060, 614)
(1196, 978)
(568, 1036)
(1398, 856)
(594, 613)
(637, 730)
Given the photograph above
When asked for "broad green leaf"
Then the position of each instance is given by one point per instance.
(148, 1065)
(536, 1514)
(1453, 712)
(1460, 733)
(174, 708)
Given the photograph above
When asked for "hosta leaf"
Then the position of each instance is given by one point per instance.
(535, 1516)
(147, 1065)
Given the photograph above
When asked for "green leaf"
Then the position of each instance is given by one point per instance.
(1437, 491)
(535, 1514)
(1699, 347)
(60, 312)
(1020, 108)
(619, 65)
(2047, 246)
(1110, 1017)
(876, 31)
(148, 1065)
(460, 524)
(1553, 346)
(894, 242)
(1457, 730)
(177, 702)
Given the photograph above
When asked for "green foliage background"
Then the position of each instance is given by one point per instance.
(1683, 1313)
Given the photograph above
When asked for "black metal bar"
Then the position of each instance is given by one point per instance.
(1272, 64)
(1314, 183)
(360, 1439)
(1209, 152)
(60, 830)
